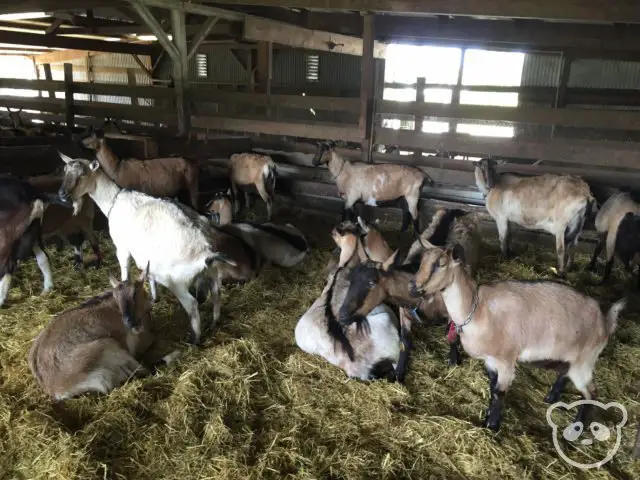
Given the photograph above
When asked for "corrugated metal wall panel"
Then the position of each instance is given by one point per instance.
(590, 73)
(540, 70)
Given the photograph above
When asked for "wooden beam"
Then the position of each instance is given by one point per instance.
(58, 41)
(68, 95)
(264, 66)
(188, 7)
(625, 11)
(201, 35)
(367, 79)
(257, 29)
(181, 70)
(142, 66)
(62, 56)
(157, 30)
(53, 28)
(47, 76)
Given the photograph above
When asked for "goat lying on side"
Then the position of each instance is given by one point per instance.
(176, 240)
(21, 211)
(366, 356)
(63, 223)
(558, 204)
(247, 169)
(97, 345)
(618, 223)
(543, 322)
(158, 177)
(375, 185)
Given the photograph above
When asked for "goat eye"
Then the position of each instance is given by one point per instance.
(372, 284)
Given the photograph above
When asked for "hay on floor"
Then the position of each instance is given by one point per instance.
(249, 404)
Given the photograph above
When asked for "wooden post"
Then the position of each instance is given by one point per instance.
(455, 94)
(264, 67)
(48, 76)
(367, 79)
(68, 95)
(131, 77)
(419, 119)
(560, 100)
(181, 71)
(89, 65)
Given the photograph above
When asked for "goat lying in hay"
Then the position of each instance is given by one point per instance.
(558, 204)
(63, 223)
(247, 169)
(375, 185)
(549, 323)
(618, 223)
(158, 177)
(364, 356)
(21, 210)
(177, 241)
(97, 345)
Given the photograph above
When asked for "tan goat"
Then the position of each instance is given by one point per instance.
(541, 322)
(220, 208)
(97, 345)
(617, 223)
(375, 185)
(158, 177)
(558, 204)
(247, 169)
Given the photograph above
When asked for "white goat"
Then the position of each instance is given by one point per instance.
(175, 240)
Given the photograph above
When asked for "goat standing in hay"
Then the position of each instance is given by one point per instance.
(375, 185)
(558, 204)
(21, 210)
(371, 355)
(63, 223)
(173, 238)
(97, 345)
(158, 177)
(247, 169)
(618, 223)
(540, 322)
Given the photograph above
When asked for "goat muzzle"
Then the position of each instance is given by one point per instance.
(413, 290)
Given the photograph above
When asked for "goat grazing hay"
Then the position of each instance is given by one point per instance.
(250, 404)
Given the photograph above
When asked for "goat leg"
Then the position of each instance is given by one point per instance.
(455, 356)
(607, 271)
(494, 412)
(592, 264)
(556, 390)
(405, 347)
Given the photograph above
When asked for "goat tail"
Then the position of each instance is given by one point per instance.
(614, 313)
(438, 231)
(37, 210)
(435, 221)
(269, 174)
(166, 360)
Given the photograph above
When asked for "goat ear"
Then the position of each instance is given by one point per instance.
(113, 281)
(390, 262)
(363, 224)
(94, 165)
(145, 274)
(64, 158)
(457, 253)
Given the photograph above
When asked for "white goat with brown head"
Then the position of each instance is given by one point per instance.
(558, 204)
(375, 184)
(542, 322)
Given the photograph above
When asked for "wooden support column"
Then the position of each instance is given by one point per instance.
(564, 72)
(455, 94)
(264, 70)
(131, 77)
(181, 70)
(367, 81)
(68, 95)
(419, 119)
(47, 76)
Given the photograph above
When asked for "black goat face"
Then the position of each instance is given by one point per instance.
(322, 154)
(364, 293)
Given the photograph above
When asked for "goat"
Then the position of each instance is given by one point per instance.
(252, 169)
(97, 345)
(364, 356)
(220, 208)
(558, 204)
(21, 210)
(618, 223)
(157, 177)
(374, 282)
(544, 322)
(61, 222)
(363, 239)
(375, 185)
(177, 241)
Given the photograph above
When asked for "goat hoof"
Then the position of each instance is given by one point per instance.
(196, 342)
(492, 424)
(77, 266)
(552, 398)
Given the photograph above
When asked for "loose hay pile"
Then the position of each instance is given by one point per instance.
(249, 404)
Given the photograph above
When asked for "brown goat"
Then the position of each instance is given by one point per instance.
(97, 345)
(541, 322)
(375, 185)
(363, 239)
(65, 223)
(252, 169)
(558, 204)
(158, 177)
(220, 208)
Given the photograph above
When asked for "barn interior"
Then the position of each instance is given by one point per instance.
(540, 86)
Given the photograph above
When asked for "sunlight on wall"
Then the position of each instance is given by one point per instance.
(440, 66)
(17, 66)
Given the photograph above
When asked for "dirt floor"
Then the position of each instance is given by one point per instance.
(250, 404)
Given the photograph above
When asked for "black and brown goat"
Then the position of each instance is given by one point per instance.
(246, 169)
(97, 345)
(558, 204)
(375, 185)
(540, 322)
(618, 223)
(158, 177)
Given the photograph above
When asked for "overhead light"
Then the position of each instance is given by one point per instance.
(150, 38)
(23, 16)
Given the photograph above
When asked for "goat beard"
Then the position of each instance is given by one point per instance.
(77, 206)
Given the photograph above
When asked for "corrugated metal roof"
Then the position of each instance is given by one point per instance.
(589, 73)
